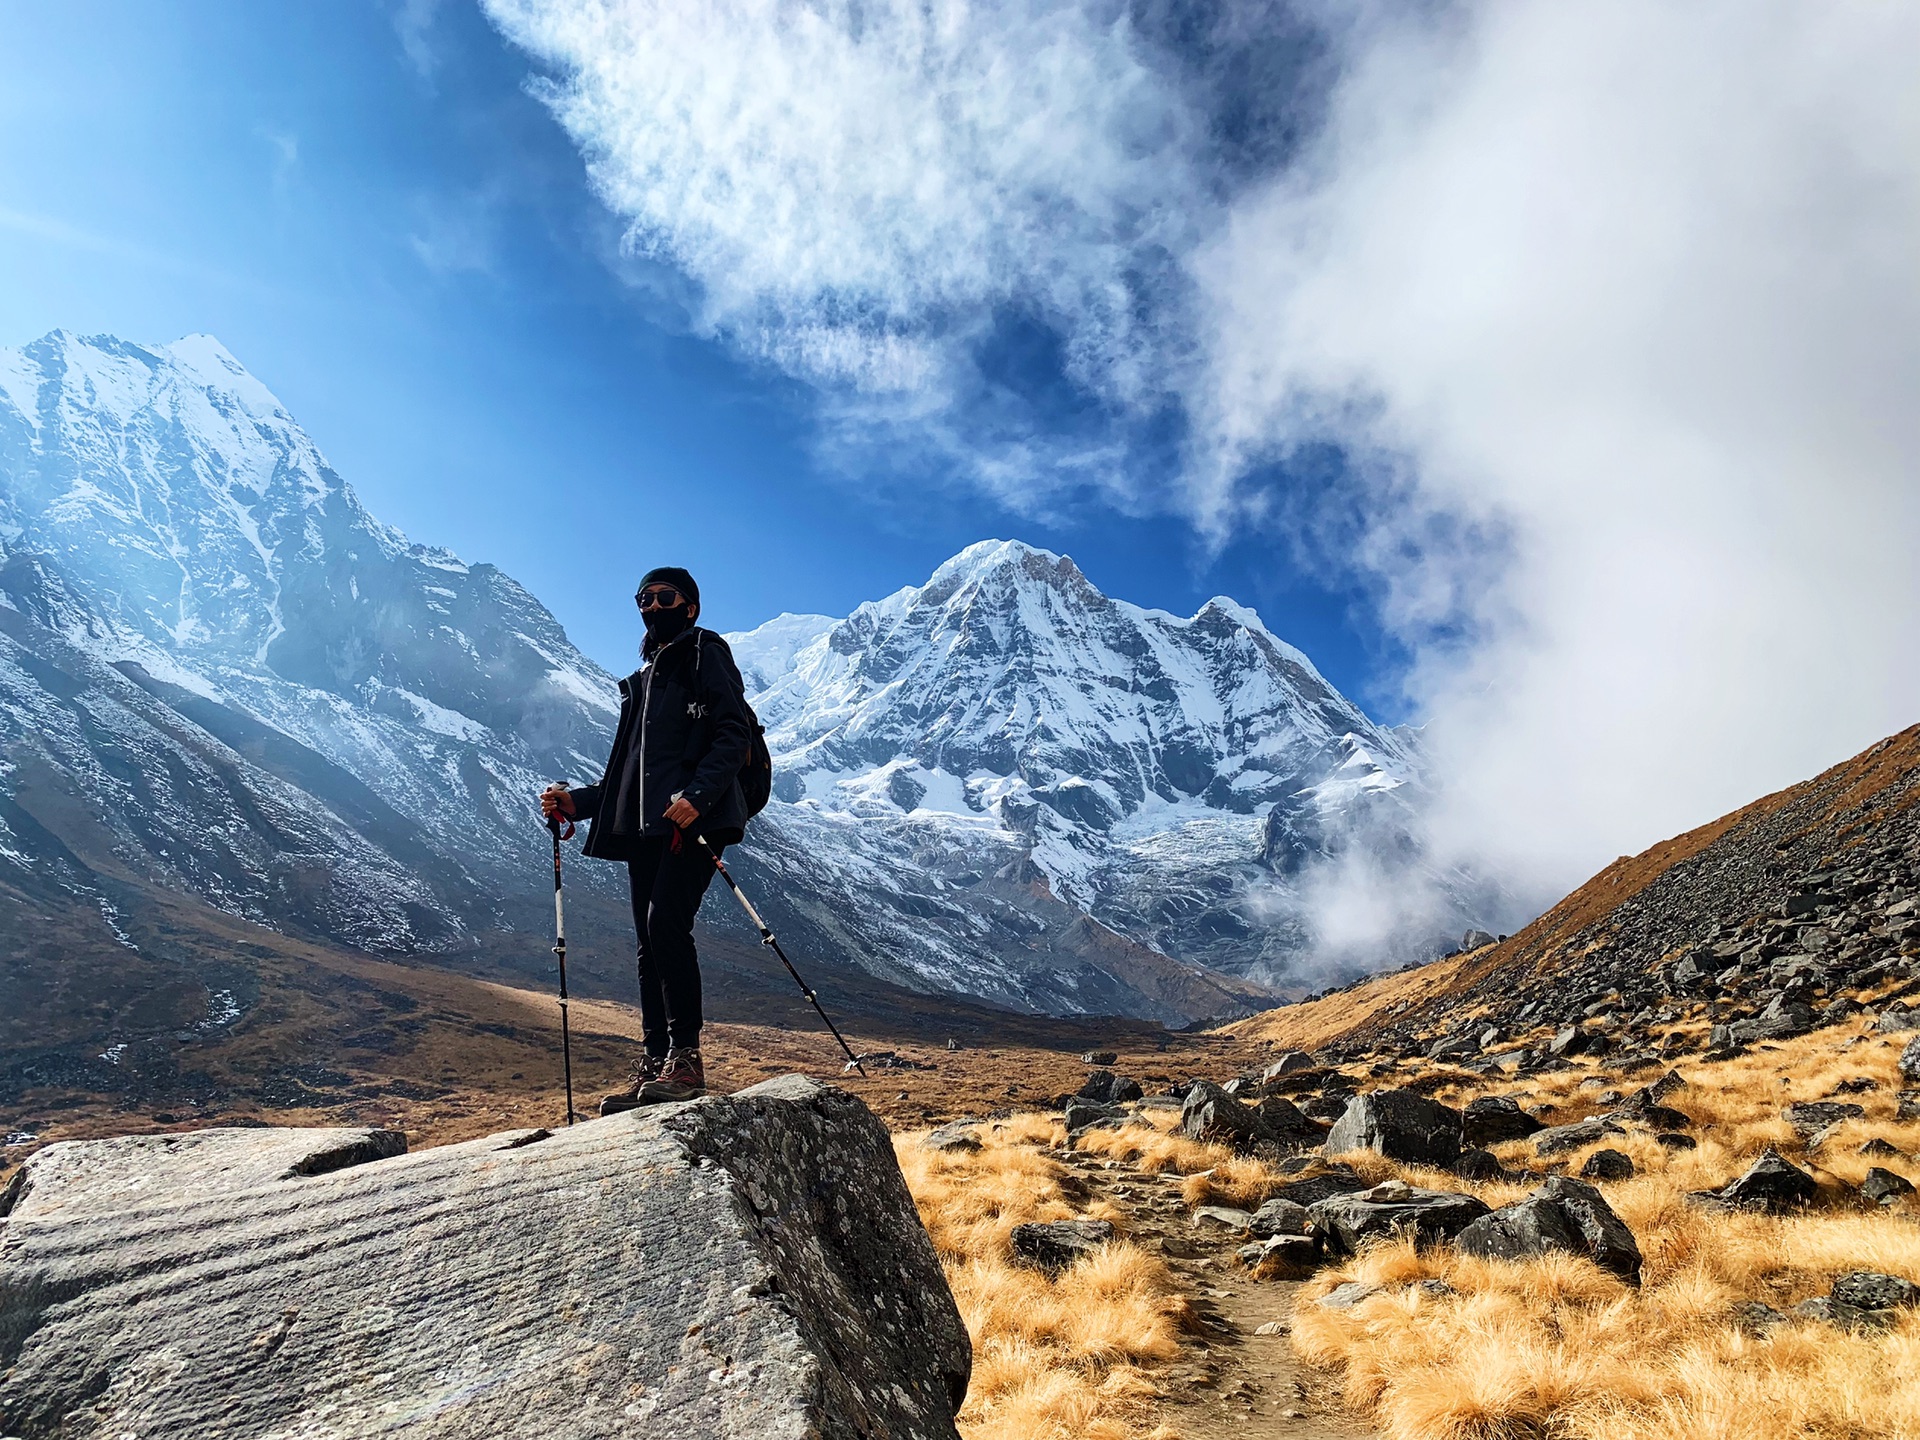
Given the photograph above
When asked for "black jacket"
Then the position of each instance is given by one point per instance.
(683, 730)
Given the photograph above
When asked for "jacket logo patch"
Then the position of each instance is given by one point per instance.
(697, 709)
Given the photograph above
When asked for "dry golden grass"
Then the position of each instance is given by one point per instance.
(1053, 1358)
(1556, 1347)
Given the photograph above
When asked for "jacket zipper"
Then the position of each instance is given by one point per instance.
(646, 703)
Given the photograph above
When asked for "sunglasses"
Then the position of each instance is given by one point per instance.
(659, 597)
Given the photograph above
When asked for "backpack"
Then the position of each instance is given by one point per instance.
(756, 775)
(756, 772)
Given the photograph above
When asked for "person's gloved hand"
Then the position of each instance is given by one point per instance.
(681, 812)
(556, 800)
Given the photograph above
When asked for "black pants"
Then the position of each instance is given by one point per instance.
(667, 888)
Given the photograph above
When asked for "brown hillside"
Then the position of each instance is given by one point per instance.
(1645, 909)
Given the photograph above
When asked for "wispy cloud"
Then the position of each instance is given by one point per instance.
(1611, 306)
(413, 25)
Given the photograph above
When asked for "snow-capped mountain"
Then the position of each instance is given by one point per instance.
(220, 675)
(1182, 781)
(218, 672)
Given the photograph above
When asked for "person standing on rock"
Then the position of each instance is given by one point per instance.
(683, 735)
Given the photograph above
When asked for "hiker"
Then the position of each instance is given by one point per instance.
(673, 775)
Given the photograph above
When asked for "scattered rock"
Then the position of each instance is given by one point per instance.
(1400, 1126)
(1281, 1124)
(1224, 1215)
(1478, 1165)
(1896, 1021)
(959, 1136)
(1288, 1064)
(1607, 1165)
(1910, 1059)
(1345, 1222)
(1772, 1184)
(1843, 1316)
(1883, 1187)
(1810, 1117)
(1494, 1118)
(1755, 1319)
(1211, 1114)
(1085, 1115)
(1881, 1150)
(1110, 1089)
(1099, 1057)
(1335, 1180)
(1273, 1327)
(1054, 1245)
(1281, 1216)
(1564, 1215)
(814, 1296)
(1674, 1140)
(1283, 1257)
(1348, 1294)
(1559, 1139)
(1872, 1290)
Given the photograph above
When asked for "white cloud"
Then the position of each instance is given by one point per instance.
(1636, 283)
(1616, 305)
(858, 187)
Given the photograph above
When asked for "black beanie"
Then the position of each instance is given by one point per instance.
(671, 575)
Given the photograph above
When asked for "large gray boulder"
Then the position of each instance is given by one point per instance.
(743, 1266)
(1563, 1214)
(1344, 1223)
(1399, 1125)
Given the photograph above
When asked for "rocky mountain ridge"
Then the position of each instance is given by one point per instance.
(219, 675)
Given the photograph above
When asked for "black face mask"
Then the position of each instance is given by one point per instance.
(664, 625)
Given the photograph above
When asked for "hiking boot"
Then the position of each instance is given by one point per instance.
(643, 1072)
(685, 1078)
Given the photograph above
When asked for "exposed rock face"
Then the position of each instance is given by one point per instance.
(1399, 1125)
(748, 1266)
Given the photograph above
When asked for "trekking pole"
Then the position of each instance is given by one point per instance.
(554, 822)
(766, 938)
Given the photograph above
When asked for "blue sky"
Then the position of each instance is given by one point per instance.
(365, 204)
(1544, 369)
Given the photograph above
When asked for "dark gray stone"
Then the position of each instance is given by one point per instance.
(1085, 1115)
(740, 1266)
(1346, 1222)
(1560, 1139)
(1211, 1114)
(1099, 1057)
(1399, 1125)
(1521, 1231)
(1810, 1117)
(1280, 1216)
(1107, 1088)
(1674, 1140)
(1281, 1124)
(1337, 1180)
(1479, 1165)
(1054, 1245)
(959, 1137)
(1883, 1187)
(1872, 1290)
(1910, 1059)
(1755, 1319)
(1607, 1165)
(1608, 1240)
(1288, 1064)
(1494, 1118)
(1771, 1183)
(1844, 1316)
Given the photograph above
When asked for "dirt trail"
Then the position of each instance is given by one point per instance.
(1233, 1381)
